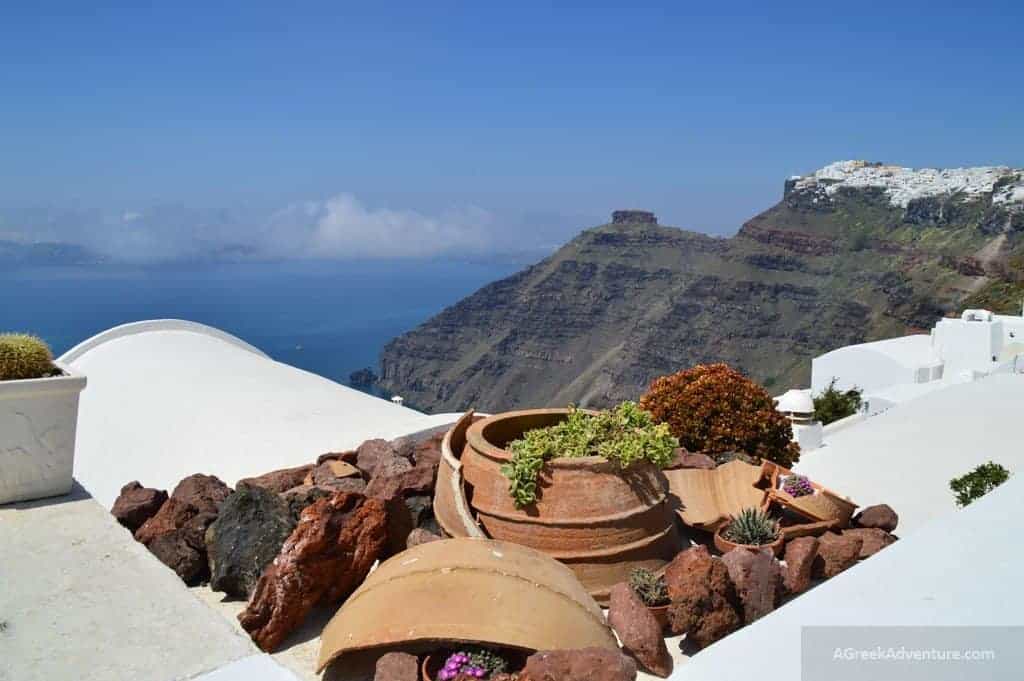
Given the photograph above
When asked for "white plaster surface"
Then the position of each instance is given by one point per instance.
(169, 398)
(874, 366)
(961, 569)
(80, 599)
(906, 456)
(262, 667)
(37, 436)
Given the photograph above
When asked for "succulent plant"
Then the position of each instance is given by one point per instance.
(23, 356)
(626, 435)
(478, 663)
(978, 482)
(713, 408)
(649, 587)
(797, 486)
(752, 526)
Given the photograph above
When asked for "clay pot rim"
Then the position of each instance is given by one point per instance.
(475, 438)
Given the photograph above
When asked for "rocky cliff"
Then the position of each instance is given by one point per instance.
(853, 252)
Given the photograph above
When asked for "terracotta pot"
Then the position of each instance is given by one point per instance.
(591, 515)
(467, 591)
(450, 508)
(724, 546)
(822, 506)
(660, 613)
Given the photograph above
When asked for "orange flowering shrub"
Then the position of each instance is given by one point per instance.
(713, 408)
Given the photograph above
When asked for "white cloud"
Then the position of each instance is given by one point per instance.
(343, 227)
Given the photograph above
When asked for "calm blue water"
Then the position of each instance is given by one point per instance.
(328, 318)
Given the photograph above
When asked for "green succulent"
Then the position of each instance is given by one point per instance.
(978, 482)
(23, 356)
(625, 435)
(649, 587)
(752, 526)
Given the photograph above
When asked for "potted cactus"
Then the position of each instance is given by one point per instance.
(652, 590)
(751, 528)
(38, 419)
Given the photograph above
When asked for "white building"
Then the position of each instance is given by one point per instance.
(957, 350)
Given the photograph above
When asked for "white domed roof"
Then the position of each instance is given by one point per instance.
(795, 400)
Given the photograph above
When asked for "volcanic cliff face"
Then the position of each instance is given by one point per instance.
(854, 252)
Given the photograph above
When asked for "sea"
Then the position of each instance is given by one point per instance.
(330, 318)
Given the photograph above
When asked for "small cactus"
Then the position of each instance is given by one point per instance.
(649, 587)
(752, 527)
(23, 356)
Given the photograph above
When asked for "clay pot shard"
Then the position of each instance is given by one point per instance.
(520, 599)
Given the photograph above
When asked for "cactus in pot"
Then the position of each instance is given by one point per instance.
(23, 356)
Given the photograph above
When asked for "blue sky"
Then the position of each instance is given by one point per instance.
(517, 123)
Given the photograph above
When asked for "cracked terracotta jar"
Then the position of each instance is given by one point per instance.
(597, 518)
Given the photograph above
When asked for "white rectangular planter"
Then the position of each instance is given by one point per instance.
(38, 418)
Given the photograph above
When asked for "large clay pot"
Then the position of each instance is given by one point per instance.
(593, 516)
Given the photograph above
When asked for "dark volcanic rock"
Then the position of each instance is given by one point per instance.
(137, 504)
(873, 540)
(586, 664)
(757, 577)
(247, 535)
(638, 630)
(347, 457)
(176, 533)
(327, 556)
(183, 548)
(280, 480)
(397, 667)
(881, 516)
(836, 553)
(704, 603)
(800, 555)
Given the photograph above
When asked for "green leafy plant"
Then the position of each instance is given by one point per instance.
(832, 404)
(978, 482)
(625, 435)
(649, 587)
(752, 526)
(23, 356)
(713, 408)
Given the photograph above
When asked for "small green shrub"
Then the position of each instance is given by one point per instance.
(752, 526)
(712, 408)
(625, 435)
(649, 587)
(978, 482)
(23, 356)
(832, 405)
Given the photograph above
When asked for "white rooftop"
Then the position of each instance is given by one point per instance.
(961, 569)
(80, 599)
(907, 455)
(169, 398)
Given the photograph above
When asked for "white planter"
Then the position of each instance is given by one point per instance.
(38, 418)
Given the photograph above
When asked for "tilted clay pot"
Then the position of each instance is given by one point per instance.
(600, 520)
(724, 546)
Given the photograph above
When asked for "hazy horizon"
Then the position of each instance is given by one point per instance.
(407, 131)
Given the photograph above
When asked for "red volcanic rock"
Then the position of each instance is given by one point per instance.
(347, 457)
(183, 549)
(298, 498)
(326, 557)
(329, 472)
(397, 667)
(280, 480)
(836, 553)
(205, 492)
(370, 453)
(684, 459)
(420, 536)
(874, 540)
(585, 664)
(800, 555)
(137, 504)
(638, 630)
(757, 577)
(881, 516)
(703, 598)
(399, 477)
